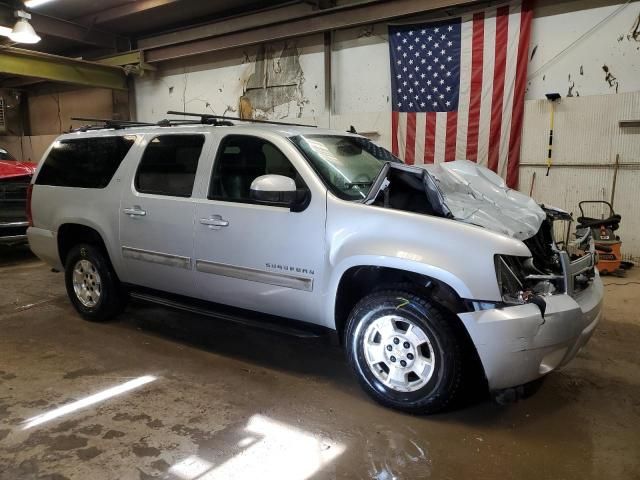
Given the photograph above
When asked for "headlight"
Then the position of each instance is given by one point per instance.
(510, 278)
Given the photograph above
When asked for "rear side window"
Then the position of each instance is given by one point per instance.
(84, 162)
(168, 166)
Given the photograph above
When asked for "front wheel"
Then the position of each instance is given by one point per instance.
(92, 285)
(404, 351)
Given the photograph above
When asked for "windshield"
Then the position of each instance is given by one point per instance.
(4, 155)
(347, 165)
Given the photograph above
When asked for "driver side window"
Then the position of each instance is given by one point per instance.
(240, 160)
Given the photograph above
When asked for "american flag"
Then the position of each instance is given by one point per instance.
(458, 88)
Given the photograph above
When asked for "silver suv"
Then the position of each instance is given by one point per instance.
(427, 274)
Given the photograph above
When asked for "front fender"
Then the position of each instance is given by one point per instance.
(458, 254)
(406, 265)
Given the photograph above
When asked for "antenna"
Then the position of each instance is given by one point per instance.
(206, 118)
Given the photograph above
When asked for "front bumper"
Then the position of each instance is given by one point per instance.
(516, 345)
(13, 233)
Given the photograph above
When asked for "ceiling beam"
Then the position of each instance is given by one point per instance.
(319, 21)
(259, 18)
(31, 64)
(55, 27)
(121, 11)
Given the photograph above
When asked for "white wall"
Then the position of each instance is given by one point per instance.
(587, 139)
(571, 42)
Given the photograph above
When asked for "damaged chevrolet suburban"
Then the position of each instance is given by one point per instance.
(425, 273)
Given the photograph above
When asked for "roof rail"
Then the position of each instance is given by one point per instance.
(108, 123)
(207, 118)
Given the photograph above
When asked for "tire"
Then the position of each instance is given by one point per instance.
(427, 343)
(92, 285)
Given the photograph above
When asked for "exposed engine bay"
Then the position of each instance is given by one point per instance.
(467, 192)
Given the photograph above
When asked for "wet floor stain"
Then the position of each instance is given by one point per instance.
(113, 434)
(81, 372)
(92, 430)
(144, 450)
(88, 453)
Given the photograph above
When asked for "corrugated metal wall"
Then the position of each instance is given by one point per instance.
(587, 139)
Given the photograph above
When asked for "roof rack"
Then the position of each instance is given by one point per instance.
(107, 123)
(209, 119)
(203, 119)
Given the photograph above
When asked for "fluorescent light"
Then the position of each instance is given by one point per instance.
(35, 3)
(87, 401)
(23, 32)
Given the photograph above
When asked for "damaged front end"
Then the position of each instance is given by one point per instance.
(556, 265)
(467, 192)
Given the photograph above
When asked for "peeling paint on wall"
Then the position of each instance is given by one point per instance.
(277, 82)
(581, 39)
(610, 78)
(634, 32)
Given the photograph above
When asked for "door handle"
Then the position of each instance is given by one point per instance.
(214, 222)
(134, 212)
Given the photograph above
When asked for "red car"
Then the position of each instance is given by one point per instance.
(15, 177)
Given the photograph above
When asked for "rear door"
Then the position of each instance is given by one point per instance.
(157, 213)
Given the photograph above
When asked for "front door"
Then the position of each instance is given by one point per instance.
(260, 257)
(157, 214)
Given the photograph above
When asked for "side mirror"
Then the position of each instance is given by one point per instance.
(274, 189)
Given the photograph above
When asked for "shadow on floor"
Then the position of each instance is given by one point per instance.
(315, 356)
(15, 255)
(320, 357)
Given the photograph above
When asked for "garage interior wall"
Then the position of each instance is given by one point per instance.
(588, 51)
(50, 109)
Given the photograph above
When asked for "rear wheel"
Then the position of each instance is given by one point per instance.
(92, 285)
(405, 351)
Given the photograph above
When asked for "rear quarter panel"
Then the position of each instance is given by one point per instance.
(53, 206)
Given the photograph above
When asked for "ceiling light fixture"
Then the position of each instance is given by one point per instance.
(35, 3)
(22, 31)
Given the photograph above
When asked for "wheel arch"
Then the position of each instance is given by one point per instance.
(73, 233)
(358, 280)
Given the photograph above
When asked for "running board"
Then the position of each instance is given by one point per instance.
(242, 317)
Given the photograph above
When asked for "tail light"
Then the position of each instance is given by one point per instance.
(29, 216)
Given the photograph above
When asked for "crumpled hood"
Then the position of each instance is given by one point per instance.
(13, 168)
(477, 195)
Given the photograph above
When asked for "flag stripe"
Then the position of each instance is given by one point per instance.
(402, 132)
(421, 118)
(502, 34)
(394, 132)
(519, 91)
(441, 137)
(411, 138)
(476, 86)
(509, 83)
(487, 86)
(430, 138)
(466, 36)
(452, 133)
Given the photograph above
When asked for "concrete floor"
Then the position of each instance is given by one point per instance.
(161, 394)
